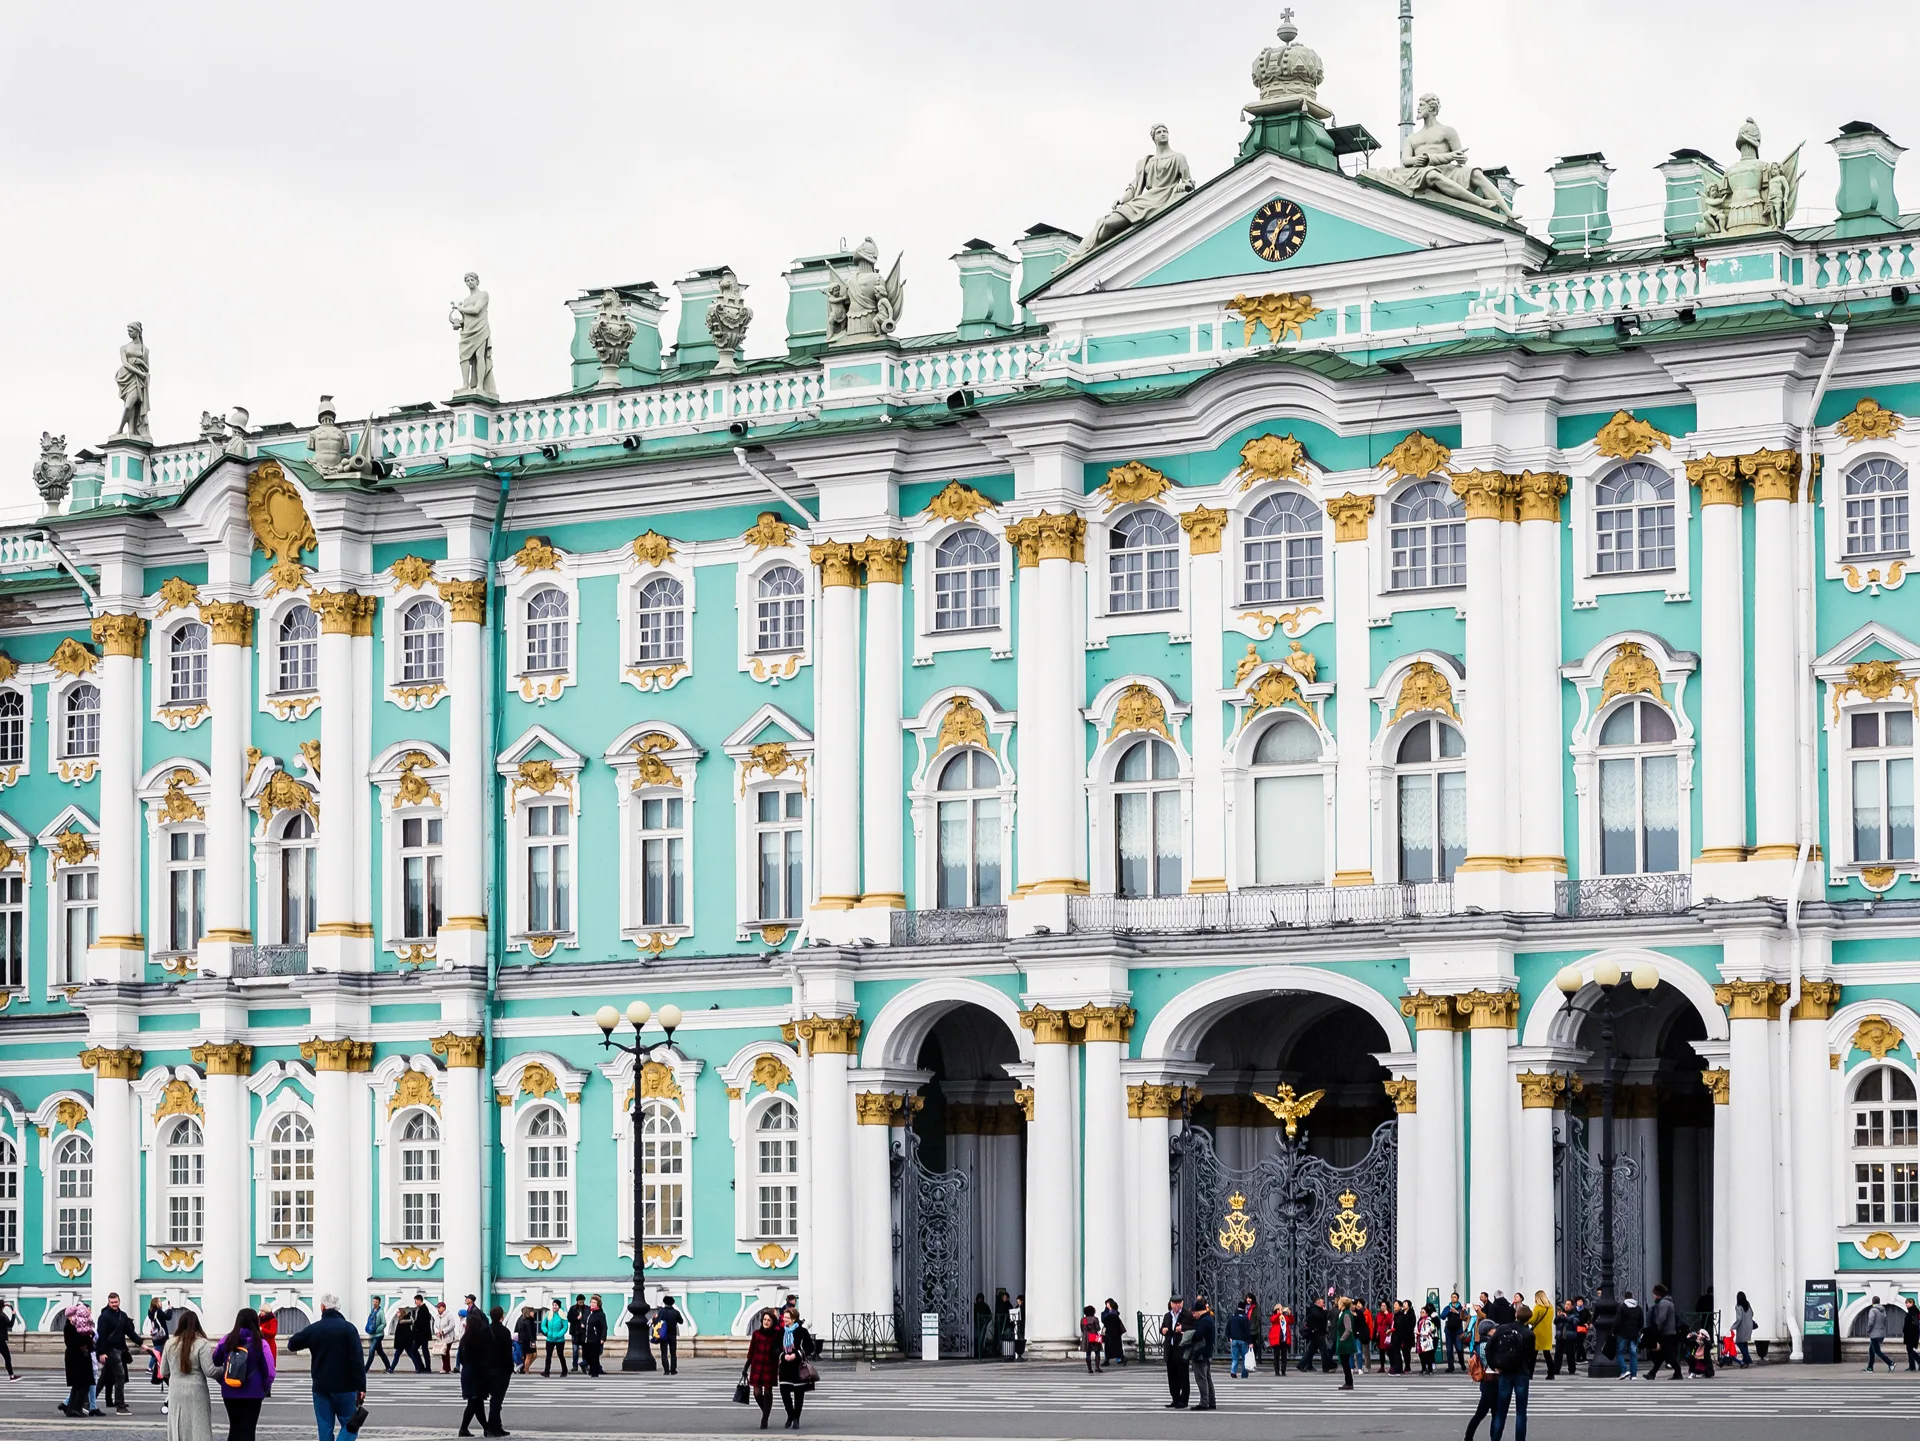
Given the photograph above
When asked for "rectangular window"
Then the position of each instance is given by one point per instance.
(779, 1211)
(1869, 1193)
(546, 1215)
(549, 868)
(420, 1216)
(13, 728)
(778, 842)
(420, 862)
(1905, 1198)
(186, 889)
(79, 924)
(13, 932)
(663, 861)
(1147, 843)
(185, 1220)
(1289, 828)
(1882, 775)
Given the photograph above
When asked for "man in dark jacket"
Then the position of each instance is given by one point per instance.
(416, 1334)
(1626, 1332)
(1170, 1334)
(577, 1328)
(1313, 1336)
(339, 1370)
(1199, 1342)
(1664, 1321)
(499, 1369)
(1453, 1325)
(667, 1320)
(1510, 1351)
(115, 1338)
(593, 1332)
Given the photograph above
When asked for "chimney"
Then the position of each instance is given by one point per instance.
(1687, 173)
(1043, 250)
(692, 345)
(807, 284)
(1866, 200)
(1580, 220)
(986, 291)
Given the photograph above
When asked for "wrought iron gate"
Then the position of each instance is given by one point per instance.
(932, 1250)
(1577, 1192)
(1288, 1228)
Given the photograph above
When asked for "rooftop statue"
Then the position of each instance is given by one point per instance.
(1432, 160)
(1754, 194)
(1158, 181)
(1289, 70)
(468, 315)
(727, 320)
(862, 306)
(134, 378)
(52, 472)
(610, 337)
(326, 440)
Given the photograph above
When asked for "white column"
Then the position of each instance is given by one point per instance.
(1813, 1129)
(116, 1149)
(1105, 1178)
(1774, 474)
(463, 932)
(1540, 734)
(337, 1064)
(829, 1045)
(1480, 879)
(360, 794)
(1540, 1092)
(1721, 1277)
(1490, 1244)
(229, 919)
(1723, 668)
(341, 941)
(1206, 605)
(836, 689)
(873, 1270)
(1405, 1091)
(881, 765)
(1052, 816)
(224, 1098)
(1755, 1200)
(1437, 1047)
(1353, 674)
(1053, 1270)
(1153, 1193)
(119, 953)
(463, 1089)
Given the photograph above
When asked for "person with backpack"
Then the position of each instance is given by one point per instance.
(1481, 1374)
(1664, 1321)
(1626, 1332)
(667, 1322)
(244, 1363)
(1510, 1352)
(376, 1327)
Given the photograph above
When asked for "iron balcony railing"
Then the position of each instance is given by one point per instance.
(955, 926)
(1261, 908)
(1665, 893)
(253, 962)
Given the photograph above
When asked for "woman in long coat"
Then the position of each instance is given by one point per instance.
(762, 1371)
(471, 1359)
(77, 1336)
(796, 1371)
(185, 1363)
(1114, 1332)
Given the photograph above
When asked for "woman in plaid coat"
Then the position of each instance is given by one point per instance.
(762, 1371)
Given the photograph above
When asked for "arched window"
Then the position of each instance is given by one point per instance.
(1877, 507)
(73, 1195)
(423, 643)
(1146, 821)
(1289, 806)
(1428, 533)
(186, 1160)
(1143, 562)
(547, 629)
(1881, 777)
(1430, 775)
(779, 834)
(663, 1181)
(966, 581)
(186, 881)
(299, 646)
(13, 728)
(9, 1197)
(780, 611)
(298, 878)
(776, 1176)
(420, 1178)
(969, 838)
(1886, 1149)
(1639, 791)
(187, 664)
(1633, 519)
(290, 1179)
(547, 1192)
(1281, 554)
(662, 616)
(82, 707)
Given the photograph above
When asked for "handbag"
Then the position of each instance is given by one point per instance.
(357, 1422)
(806, 1371)
(741, 1395)
(1476, 1368)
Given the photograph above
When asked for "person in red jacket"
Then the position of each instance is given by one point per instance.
(1280, 1338)
(1383, 1334)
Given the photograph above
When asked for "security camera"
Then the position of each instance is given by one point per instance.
(961, 400)
(630, 442)
(550, 451)
(737, 429)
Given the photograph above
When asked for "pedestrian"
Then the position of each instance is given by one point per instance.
(1582, 1325)
(1346, 1332)
(443, 1335)
(667, 1322)
(1003, 1324)
(499, 1368)
(270, 1335)
(1200, 1341)
(1480, 1372)
(1909, 1335)
(1626, 1331)
(338, 1370)
(421, 1338)
(553, 1330)
(186, 1361)
(115, 1339)
(1664, 1321)
(1239, 1342)
(797, 1374)
(1424, 1329)
(577, 1329)
(159, 1327)
(982, 1324)
(1453, 1327)
(1279, 1338)
(1090, 1339)
(1113, 1332)
(595, 1335)
(1510, 1351)
(1403, 1333)
(1313, 1336)
(1382, 1337)
(476, 1381)
(1018, 1315)
(243, 1351)
(762, 1370)
(1743, 1326)
(9, 1318)
(1876, 1333)
(526, 1339)
(376, 1327)
(76, 1335)
(1560, 1339)
(1172, 1328)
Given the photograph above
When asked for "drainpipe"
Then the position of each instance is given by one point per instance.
(67, 564)
(1803, 726)
(740, 456)
(490, 1195)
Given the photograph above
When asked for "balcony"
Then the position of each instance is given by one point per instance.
(1261, 908)
(956, 927)
(258, 962)
(1665, 893)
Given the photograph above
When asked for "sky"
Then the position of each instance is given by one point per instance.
(287, 195)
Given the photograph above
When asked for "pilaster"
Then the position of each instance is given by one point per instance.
(1723, 666)
(836, 799)
(343, 938)
(1481, 879)
(116, 1143)
(1539, 733)
(119, 952)
(224, 1098)
(882, 739)
(462, 940)
(1437, 1126)
(1205, 604)
(229, 687)
(463, 1266)
(1353, 677)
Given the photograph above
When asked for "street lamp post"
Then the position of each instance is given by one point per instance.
(1607, 977)
(639, 1355)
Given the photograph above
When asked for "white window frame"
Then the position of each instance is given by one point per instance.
(154, 792)
(1425, 597)
(924, 542)
(156, 1145)
(1103, 622)
(1886, 1155)
(16, 914)
(686, 1072)
(1837, 457)
(766, 724)
(980, 614)
(654, 675)
(923, 800)
(51, 1130)
(1586, 468)
(568, 1084)
(560, 1223)
(58, 1146)
(182, 713)
(547, 830)
(12, 1183)
(274, 913)
(773, 657)
(1101, 785)
(1675, 669)
(266, 840)
(1242, 778)
(1389, 790)
(12, 770)
(664, 1142)
(64, 971)
(792, 1180)
(77, 766)
(391, 1144)
(516, 793)
(1639, 752)
(424, 762)
(295, 704)
(410, 693)
(285, 1089)
(517, 586)
(1842, 759)
(669, 746)
(747, 1096)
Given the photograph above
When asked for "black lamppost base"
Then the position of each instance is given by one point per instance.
(639, 1355)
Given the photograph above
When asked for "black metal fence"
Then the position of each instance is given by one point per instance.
(862, 1336)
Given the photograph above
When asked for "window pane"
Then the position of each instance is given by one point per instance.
(1417, 860)
(1166, 841)
(1866, 810)
(1453, 821)
(1660, 801)
(1289, 815)
(986, 852)
(1132, 843)
(1619, 821)
(955, 853)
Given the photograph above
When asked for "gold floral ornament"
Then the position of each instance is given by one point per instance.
(278, 516)
(1272, 457)
(1283, 314)
(1291, 1109)
(8, 855)
(9, 667)
(178, 1258)
(771, 1072)
(538, 1081)
(1416, 457)
(177, 1098)
(654, 771)
(1130, 484)
(1874, 680)
(69, 1113)
(1277, 688)
(773, 760)
(284, 793)
(768, 532)
(1881, 1246)
(1876, 1035)
(177, 594)
(414, 1088)
(657, 1083)
(72, 658)
(410, 572)
(1237, 1233)
(1302, 663)
(958, 502)
(73, 846)
(652, 549)
(657, 944)
(1624, 437)
(1424, 688)
(963, 725)
(1631, 672)
(536, 554)
(1347, 1234)
(413, 788)
(1869, 420)
(178, 805)
(541, 1258)
(1879, 878)
(540, 777)
(1139, 709)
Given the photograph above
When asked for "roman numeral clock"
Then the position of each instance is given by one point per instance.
(1278, 230)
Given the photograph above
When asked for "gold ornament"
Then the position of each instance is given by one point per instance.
(654, 771)
(414, 1088)
(957, 502)
(74, 846)
(771, 1073)
(772, 1253)
(1291, 1109)
(1350, 514)
(1774, 474)
(284, 576)
(1719, 1082)
(69, 1113)
(1277, 688)
(229, 1058)
(177, 804)
(540, 777)
(284, 793)
(652, 549)
(1139, 709)
(1489, 1010)
(113, 1064)
(829, 1035)
(70, 1266)
(228, 622)
(1717, 478)
(1347, 1234)
(541, 1258)
(835, 559)
(177, 1098)
(466, 600)
(72, 658)
(536, 554)
(412, 1258)
(1301, 662)
(178, 1258)
(1272, 457)
(658, 944)
(1416, 457)
(1237, 1235)
(1249, 663)
(1874, 680)
(177, 594)
(768, 532)
(462, 1052)
(1283, 314)
(1430, 1011)
(119, 634)
(1424, 688)
(1204, 528)
(1751, 1000)
(1540, 493)
(963, 725)
(1049, 1027)
(773, 760)
(657, 1083)
(338, 1055)
(9, 667)
(774, 934)
(884, 559)
(1404, 1092)
(1624, 437)
(278, 516)
(1876, 1035)
(1023, 1098)
(1631, 672)
(538, 1081)
(413, 789)
(1541, 1090)
(1486, 493)
(1130, 484)
(1869, 420)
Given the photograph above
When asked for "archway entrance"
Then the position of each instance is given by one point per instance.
(1285, 1217)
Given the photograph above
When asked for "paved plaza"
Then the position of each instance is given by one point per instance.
(1046, 1400)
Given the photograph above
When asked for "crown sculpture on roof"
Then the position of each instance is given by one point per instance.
(1289, 74)
(1755, 194)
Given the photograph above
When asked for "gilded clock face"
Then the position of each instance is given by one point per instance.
(1278, 231)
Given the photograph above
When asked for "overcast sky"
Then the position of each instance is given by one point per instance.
(287, 195)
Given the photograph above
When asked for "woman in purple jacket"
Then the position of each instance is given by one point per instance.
(256, 1383)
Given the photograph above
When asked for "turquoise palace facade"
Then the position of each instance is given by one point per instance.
(1276, 669)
